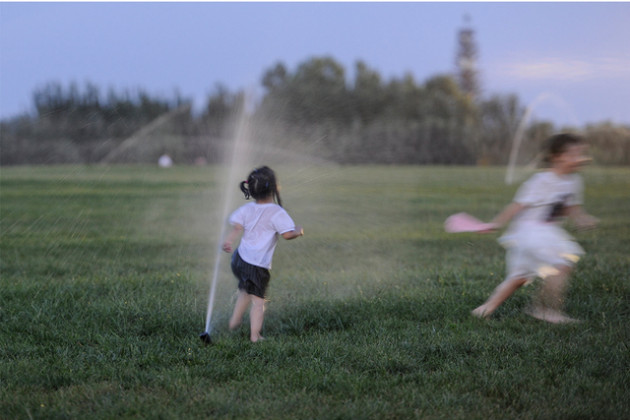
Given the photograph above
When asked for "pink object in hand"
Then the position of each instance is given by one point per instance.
(464, 222)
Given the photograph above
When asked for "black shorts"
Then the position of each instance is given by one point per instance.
(251, 278)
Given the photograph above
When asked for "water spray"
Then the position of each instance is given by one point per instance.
(516, 144)
(520, 130)
(205, 335)
(238, 159)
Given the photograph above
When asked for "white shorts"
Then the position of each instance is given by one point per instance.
(538, 250)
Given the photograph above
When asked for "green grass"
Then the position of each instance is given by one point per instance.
(105, 276)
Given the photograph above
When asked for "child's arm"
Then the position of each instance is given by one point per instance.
(581, 219)
(295, 233)
(236, 232)
(507, 214)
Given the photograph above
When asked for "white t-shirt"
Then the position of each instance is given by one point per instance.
(535, 241)
(547, 197)
(262, 224)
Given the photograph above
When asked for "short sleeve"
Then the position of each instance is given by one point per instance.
(282, 222)
(237, 217)
(530, 191)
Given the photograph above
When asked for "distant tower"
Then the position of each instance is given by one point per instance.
(466, 60)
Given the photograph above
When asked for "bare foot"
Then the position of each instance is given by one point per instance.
(481, 312)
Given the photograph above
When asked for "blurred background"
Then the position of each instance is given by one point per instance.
(392, 83)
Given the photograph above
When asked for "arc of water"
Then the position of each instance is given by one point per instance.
(145, 131)
(238, 158)
(520, 130)
(516, 144)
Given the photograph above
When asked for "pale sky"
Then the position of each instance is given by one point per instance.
(571, 61)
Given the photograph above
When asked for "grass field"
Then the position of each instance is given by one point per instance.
(105, 277)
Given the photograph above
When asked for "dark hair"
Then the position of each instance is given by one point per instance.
(261, 183)
(558, 144)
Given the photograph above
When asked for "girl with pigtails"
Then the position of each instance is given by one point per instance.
(259, 224)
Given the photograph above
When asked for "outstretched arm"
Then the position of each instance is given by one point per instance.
(581, 219)
(507, 214)
(295, 233)
(236, 232)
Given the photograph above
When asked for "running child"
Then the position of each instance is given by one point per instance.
(260, 223)
(536, 244)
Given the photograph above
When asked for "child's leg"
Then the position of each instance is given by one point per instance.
(498, 296)
(256, 316)
(550, 300)
(242, 303)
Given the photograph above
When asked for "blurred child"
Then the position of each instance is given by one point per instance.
(537, 245)
(260, 224)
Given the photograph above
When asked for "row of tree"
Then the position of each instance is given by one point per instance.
(315, 108)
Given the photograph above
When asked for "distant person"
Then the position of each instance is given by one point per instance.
(165, 161)
(260, 223)
(537, 245)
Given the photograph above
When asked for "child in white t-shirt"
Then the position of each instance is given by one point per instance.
(537, 245)
(260, 223)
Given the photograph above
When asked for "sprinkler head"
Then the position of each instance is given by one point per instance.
(205, 337)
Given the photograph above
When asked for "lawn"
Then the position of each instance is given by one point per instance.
(105, 273)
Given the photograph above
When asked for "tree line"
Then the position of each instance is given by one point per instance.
(315, 107)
